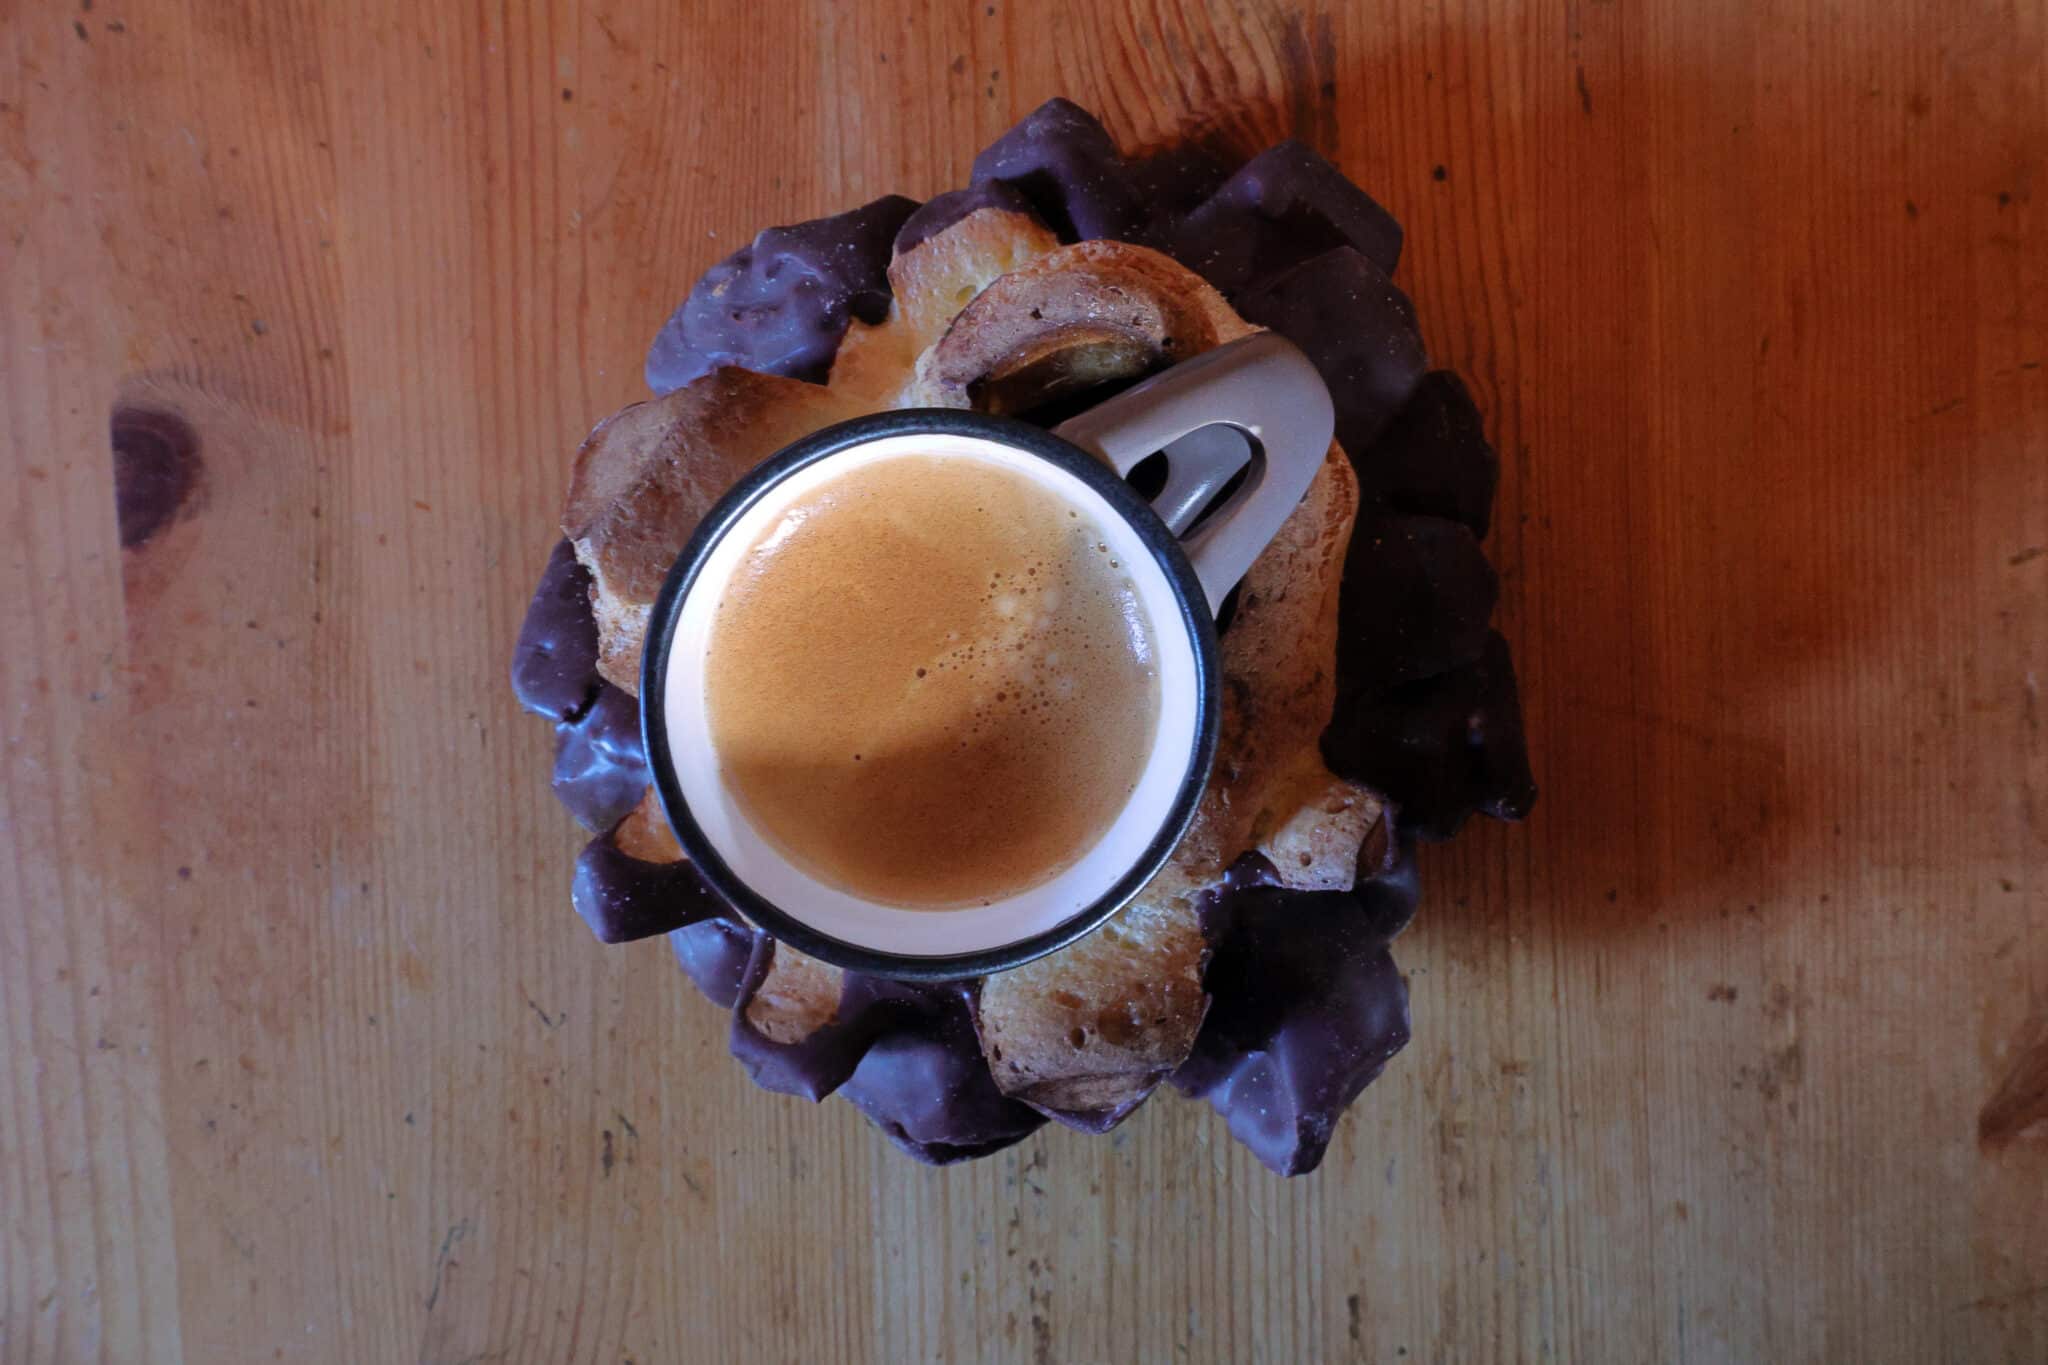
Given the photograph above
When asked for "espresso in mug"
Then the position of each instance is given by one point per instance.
(931, 683)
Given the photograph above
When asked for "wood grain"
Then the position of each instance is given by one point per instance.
(1735, 1052)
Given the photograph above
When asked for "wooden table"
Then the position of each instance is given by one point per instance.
(1737, 1051)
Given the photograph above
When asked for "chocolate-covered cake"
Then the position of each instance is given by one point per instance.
(1373, 705)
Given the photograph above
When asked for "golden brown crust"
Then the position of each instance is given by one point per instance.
(798, 996)
(931, 283)
(645, 833)
(1095, 1026)
(934, 280)
(1072, 318)
(1319, 831)
(646, 476)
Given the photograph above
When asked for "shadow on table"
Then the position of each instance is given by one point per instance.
(1734, 476)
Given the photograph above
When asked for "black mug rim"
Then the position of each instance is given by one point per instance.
(1166, 550)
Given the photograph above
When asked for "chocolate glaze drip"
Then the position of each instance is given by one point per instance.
(714, 954)
(904, 1054)
(1069, 167)
(554, 665)
(623, 898)
(818, 1064)
(1348, 317)
(1451, 744)
(1425, 595)
(781, 304)
(600, 764)
(1282, 207)
(927, 1087)
(1172, 182)
(942, 211)
(1433, 459)
(1307, 1008)
(1307, 1005)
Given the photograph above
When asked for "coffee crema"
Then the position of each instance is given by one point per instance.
(931, 684)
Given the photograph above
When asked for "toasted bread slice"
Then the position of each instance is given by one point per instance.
(1083, 315)
(798, 996)
(1086, 1033)
(1320, 832)
(645, 833)
(647, 475)
(932, 282)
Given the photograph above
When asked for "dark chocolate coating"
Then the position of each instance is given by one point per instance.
(904, 1054)
(926, 1086)
(1099, 1121)
(600, 763)
(623, 899)
(1282, 207)
(781, 304)
(1414, 603)
(1442, 747)
(554, 665)
(714, 953)
(1307, 1009)
(1348, 317)
(942, 211)
(1433, 458)
(1069, 167)
(1171, 183)
(819, 1064)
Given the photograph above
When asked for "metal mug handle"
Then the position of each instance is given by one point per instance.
(1258, 401)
